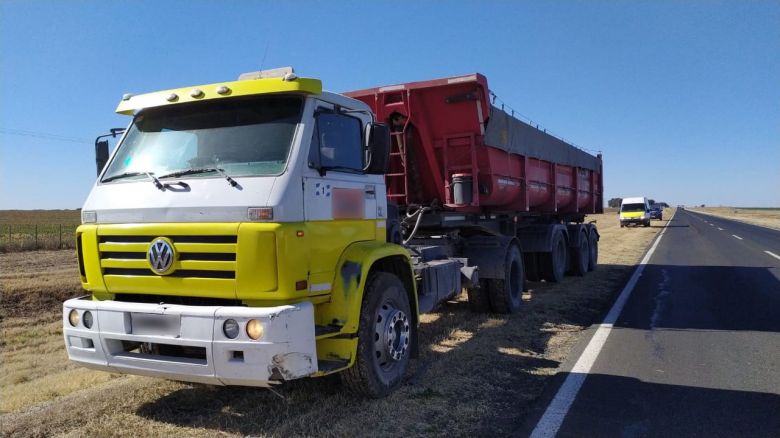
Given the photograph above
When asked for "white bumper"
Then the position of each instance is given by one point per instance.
(188, 343)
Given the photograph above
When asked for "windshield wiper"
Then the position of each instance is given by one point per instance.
(179, 173)
(151, 176)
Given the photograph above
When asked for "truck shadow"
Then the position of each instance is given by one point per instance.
(489, 368)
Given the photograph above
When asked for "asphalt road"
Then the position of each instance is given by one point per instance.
(695, 352)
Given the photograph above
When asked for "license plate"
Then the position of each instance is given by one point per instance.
(155, 324)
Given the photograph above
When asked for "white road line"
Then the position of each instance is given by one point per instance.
(773, 254)
(737, 236)
(556, 411)
(712, 225)
(721, 229)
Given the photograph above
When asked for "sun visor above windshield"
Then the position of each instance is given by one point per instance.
(130, 104)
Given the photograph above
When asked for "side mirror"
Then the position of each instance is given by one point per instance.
(101, 155)
(377, 148)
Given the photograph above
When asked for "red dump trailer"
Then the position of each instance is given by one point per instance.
(453, 148)
(471, 187)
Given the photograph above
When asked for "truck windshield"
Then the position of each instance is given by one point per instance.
(245, 137)
(632, 207)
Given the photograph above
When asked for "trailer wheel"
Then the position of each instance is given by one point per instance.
(594, 250)
(580, 257)
(384, 338)
(531, 265)
(553, 264)
(478, 297)
(506, 295)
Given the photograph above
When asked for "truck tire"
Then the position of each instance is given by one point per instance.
(478, 297)
(647, 223)
(384, 338)
(531, 265)
(580, 256)
(553, 263)
(506, 295)
(594, 250)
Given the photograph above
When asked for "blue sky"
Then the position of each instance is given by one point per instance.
(683, 98)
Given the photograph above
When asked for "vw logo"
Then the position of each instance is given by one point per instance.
(160, 255)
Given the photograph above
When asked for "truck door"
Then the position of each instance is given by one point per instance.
(340, 201)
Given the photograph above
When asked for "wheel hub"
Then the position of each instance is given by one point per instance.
(391, 337)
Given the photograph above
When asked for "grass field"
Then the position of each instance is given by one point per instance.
(476, 375)
(24, 230)
(766, 217)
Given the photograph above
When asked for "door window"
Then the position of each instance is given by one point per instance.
(337, 143)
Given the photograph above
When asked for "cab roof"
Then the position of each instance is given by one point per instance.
(221, 90)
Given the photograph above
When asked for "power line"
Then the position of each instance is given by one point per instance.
(44, 135)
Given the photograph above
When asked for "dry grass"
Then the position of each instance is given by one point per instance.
(476, 374)
(25, 230)
(766, 217)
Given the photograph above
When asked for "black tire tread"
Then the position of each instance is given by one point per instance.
(580, 256)
(478, 297)
(358, 378)
(498, 293)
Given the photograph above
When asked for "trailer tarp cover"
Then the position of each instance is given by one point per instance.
(512, 135)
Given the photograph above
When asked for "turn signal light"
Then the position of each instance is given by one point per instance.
(260, 213)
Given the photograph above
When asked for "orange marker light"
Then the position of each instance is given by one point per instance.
(299, 233)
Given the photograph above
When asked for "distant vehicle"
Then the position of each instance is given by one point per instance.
(657, 212)
(635, 211)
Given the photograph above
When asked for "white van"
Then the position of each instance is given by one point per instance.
(635, 211)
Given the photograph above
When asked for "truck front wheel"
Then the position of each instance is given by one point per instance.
(384, 338)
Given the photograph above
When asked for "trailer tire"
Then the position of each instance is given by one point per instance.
(384, 338)
(531, 265)
(478, 297)
(506, 295)
(580, 256)
(594, 250)
(553, 263)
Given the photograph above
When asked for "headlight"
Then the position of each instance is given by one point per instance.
(87, 319)
(230, 328)
(254, 329)
(73, 317)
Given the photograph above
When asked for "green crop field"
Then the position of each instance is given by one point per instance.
(23, 230)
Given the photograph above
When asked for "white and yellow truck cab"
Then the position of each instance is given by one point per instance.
(230, 235)
(635, 211)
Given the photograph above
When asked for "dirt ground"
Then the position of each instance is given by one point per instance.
(766, 217)
(476, 374)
